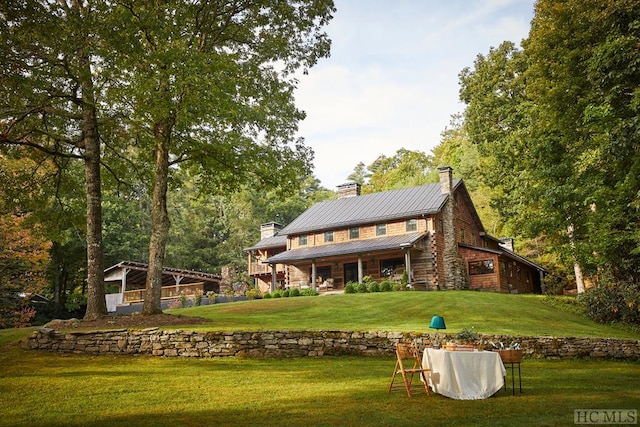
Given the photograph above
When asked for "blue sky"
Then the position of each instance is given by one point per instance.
(392, 79)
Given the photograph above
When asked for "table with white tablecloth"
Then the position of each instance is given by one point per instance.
(465, 375)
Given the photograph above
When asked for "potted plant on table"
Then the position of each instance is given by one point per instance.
(466, 339)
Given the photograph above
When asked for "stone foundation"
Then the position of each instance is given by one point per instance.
(177, 343)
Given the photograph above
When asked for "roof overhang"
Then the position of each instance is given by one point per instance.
(136, 274)
(356, 247)
(508, 254)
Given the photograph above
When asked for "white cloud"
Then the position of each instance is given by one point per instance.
(392, 79)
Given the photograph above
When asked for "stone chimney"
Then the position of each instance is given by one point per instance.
(455, 271)
(350, 189)
(269, 229)
(507, 243)
(446, 179)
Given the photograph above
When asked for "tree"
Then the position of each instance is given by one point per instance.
(405, 169)
(458, 151)
(209, 85)
(553, 119)
(583, 78)
(24, 257)
(49, 101)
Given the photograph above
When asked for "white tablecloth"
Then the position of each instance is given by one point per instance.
(466, 375)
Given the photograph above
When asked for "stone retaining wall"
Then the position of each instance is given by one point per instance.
(176, 343)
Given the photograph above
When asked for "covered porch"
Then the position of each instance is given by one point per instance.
(130, 278)
(330, 267)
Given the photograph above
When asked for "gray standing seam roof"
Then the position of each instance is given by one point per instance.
(270, 242)
(370, 208)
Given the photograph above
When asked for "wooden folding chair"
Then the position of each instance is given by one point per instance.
(407, 353)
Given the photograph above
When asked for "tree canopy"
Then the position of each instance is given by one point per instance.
(556, 124)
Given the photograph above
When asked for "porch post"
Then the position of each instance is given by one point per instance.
(123, 281)
(273, 277)
(313, 274)
(407, 264)
(177, 279)
(360, 269)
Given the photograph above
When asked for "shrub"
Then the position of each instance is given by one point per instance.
(276, 294)
(285, 293)
(252, 293)
(613, 302)
(350, 288)
(294, 292)
(399, 287)
(405, 278)
(267, 296)
(176, 303)
(198, 300)
(386, 286)
(75, 301)
(373, 287)
(362, 288)
(309, 292)
(212, 297)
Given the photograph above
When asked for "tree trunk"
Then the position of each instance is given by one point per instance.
(159, 219)
(576, 266)
(96, 303)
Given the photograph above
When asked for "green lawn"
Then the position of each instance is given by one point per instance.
(489, 313)
(48, 389)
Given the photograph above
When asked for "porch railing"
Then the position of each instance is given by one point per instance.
(173, 291)
(256, 268)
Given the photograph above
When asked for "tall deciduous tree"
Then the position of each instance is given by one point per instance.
(209, 85)
(558, 124)
(48, 98)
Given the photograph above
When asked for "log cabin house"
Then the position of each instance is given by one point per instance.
(431, 232)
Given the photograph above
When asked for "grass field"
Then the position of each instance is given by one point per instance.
(488, 313)
(49, 389)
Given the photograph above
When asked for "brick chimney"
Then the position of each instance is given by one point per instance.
(269, 229)
(455, 271)
(350, 189)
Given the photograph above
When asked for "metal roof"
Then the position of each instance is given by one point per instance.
(370, 208)
(509, 254)
(279, 240)
(347, 248)
(136, 274)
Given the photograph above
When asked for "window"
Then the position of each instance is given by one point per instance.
(440, 226)
(381, 229)
(462, 236)
(388, 267)
(411, 225)
(354, 233)
(302, 240)
(481, 267)
(328, 236)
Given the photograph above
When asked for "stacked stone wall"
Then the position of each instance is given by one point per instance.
(177, 343)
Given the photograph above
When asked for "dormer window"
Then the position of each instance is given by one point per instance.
(381, 229)
(302, 240)
(411, 225)
(354, 233)
(328, 236)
